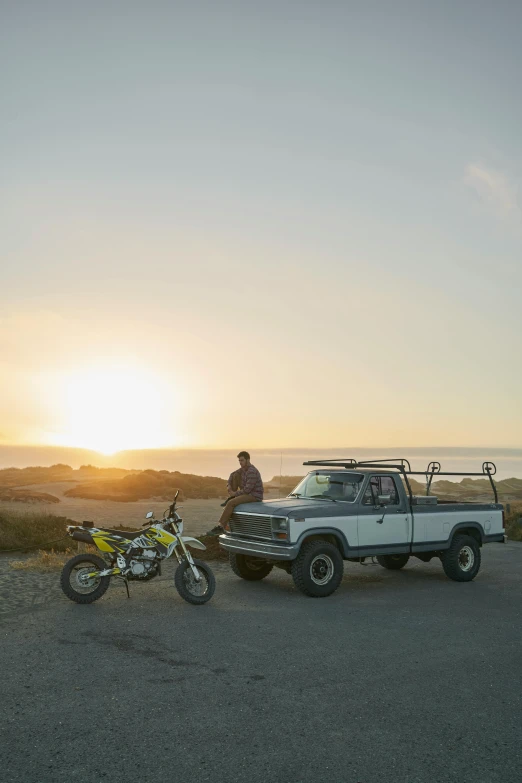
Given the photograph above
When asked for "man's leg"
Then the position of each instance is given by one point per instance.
(229, 508)
(235, 480)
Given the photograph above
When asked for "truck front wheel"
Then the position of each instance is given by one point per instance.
(253, 569)
(317, 570)
(461, 562)
(392, 562)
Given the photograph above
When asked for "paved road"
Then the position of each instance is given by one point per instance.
(400, 677)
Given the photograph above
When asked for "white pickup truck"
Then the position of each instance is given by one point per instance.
(348, 510)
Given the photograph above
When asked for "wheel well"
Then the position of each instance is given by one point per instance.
(330, 537)
(469, 531)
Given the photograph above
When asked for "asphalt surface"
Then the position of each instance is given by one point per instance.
(400, 676)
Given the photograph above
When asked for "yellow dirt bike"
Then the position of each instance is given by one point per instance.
(136, 555)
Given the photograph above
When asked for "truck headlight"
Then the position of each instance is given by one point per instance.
(280, 527)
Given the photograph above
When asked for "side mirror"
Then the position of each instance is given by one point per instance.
(176, 496)
(383, 500)
(149, 514)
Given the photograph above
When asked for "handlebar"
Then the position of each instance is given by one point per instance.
(172, 507)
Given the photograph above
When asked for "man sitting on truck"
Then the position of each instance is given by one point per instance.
(245, 485)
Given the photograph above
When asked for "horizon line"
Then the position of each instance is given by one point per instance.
(56, 447)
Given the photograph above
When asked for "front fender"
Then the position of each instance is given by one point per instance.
(344, 546)
(193, 542)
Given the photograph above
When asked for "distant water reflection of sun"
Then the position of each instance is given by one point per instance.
(110, 410)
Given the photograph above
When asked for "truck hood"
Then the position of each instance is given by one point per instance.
(298, 507)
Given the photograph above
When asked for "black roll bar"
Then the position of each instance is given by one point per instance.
(399, 464)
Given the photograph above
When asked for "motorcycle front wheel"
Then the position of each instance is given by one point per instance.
(76, 582)
(191, 590)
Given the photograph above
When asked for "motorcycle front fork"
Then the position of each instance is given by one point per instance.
(189, 557)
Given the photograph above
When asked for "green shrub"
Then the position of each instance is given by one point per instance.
(23, 531)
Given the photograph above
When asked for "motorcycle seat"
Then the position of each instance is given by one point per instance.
(129, 534)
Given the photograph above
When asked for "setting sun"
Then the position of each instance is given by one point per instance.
(110, 410)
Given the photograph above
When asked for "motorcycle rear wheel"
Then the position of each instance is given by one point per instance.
(195, 592)
(74, 583)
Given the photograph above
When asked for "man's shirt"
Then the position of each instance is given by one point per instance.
(250, 481)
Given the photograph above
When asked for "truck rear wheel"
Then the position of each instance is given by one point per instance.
(461, 562)
(317, 570)
(392, 562)
(253, 569)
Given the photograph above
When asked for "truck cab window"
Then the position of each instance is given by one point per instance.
(389, 487)
(381, 485)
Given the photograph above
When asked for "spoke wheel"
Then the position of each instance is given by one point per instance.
(80, 579)
(76, 582)
(195, 591)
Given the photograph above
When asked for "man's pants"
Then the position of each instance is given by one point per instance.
(229, 508)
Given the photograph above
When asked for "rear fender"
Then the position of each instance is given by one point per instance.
(473, 529)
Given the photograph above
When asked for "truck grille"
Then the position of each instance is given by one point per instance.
(251, 525)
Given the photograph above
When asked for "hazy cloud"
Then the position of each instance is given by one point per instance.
(495, 191)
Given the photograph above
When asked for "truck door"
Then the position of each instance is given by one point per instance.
(384, 525)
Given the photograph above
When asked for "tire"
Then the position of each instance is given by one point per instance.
(70, 583)
(188, 588)
(461, 562)
(317, 570)
(392, 562)
(253, 569)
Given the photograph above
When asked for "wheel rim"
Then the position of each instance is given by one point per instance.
(80, 581)
(321, 569)
(466, 558)
(196, 588)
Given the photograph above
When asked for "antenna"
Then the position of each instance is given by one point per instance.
(280, 472)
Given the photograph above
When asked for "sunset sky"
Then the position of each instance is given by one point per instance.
(277, 223)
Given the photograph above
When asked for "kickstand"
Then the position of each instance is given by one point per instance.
(124, 578)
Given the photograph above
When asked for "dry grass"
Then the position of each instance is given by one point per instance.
(513, 526)
(54, 561)
(43, 561)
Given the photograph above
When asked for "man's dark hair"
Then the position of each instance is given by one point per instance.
(244, 454)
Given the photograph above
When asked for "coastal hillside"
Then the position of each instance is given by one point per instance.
(151, 484)
(27, 485)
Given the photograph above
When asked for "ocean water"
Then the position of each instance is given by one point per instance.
(220, 462)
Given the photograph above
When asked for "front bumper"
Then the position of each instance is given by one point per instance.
(265, 549)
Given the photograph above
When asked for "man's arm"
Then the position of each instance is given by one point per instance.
(231, 482)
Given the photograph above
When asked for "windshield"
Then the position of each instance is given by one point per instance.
(330, 486)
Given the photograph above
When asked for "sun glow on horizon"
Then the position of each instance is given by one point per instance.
(114, 409)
